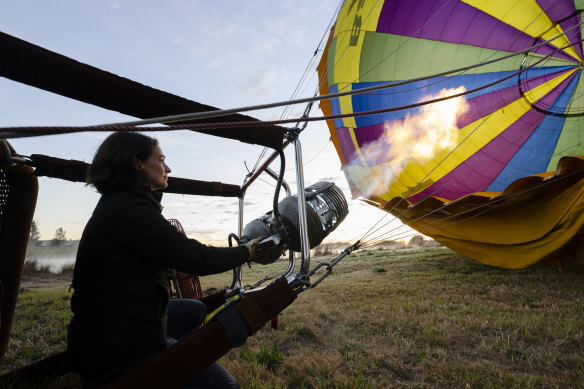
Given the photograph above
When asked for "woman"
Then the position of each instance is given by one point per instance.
(121, 310)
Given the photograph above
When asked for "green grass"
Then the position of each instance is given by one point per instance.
(39, 327)
(268, 358)
(425, 318)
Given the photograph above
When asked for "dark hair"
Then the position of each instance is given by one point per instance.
(114, 164)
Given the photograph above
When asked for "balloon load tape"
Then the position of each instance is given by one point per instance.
(228, 303)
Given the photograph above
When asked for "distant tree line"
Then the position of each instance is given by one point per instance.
(35, 235)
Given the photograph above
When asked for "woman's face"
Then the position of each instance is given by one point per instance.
(156, 170)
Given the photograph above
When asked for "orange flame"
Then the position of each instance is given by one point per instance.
(417, 139)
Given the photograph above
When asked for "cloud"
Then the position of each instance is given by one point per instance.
(260, 83)
(177, 138)
(228, 31)
(266, 45)
(216, 63)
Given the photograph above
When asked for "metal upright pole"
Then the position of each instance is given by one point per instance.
(291, 256)
(236, 283)
(304, 241)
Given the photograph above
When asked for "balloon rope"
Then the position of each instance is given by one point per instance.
(312, 59)
(346, 47)
(371, 230)
(412, 190)
(208, 114)
(16, 132)
(349, 37)
(471, 168)
(303, 78)
(423, 230)
(386, 235)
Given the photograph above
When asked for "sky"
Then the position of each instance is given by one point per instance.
(223, 53)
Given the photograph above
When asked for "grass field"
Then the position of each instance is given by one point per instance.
(425, 318)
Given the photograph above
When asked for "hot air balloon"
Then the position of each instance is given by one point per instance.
(494, 170)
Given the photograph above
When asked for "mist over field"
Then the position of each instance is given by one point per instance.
(53, 256)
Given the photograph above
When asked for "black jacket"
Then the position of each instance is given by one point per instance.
(120, 280)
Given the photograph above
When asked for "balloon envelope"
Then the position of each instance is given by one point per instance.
(496, 173)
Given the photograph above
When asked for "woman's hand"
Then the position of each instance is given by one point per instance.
(252, 246)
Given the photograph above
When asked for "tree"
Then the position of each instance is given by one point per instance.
(416, 241)
(60, 237)
(35, 235)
